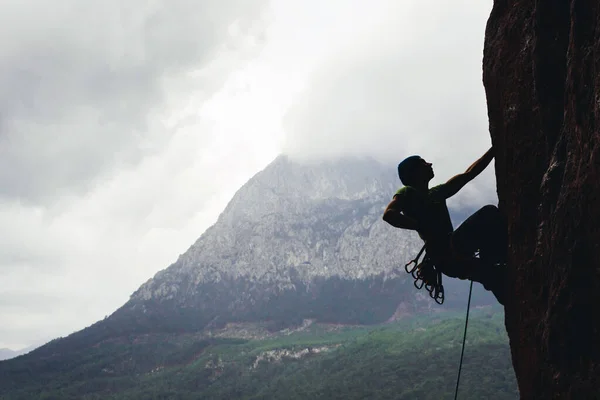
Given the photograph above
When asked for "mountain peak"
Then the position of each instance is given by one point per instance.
(296, 219)
(300, 240)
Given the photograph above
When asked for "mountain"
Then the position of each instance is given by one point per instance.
(298, 245)
(298, 241)
(6, 354)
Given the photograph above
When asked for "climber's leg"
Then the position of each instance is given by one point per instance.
(485, 231)
(492, 277)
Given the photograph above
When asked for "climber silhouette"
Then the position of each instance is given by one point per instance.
(418, 207)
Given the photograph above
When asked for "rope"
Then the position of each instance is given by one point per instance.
(462, 353)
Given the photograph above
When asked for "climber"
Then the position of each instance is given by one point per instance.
(418, 207)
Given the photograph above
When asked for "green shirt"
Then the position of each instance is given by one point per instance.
(428, 209)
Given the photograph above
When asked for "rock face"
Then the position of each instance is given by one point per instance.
(540, 71)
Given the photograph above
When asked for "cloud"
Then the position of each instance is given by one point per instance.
(107, 150)
(406, 81)
(64, 267)
(125, 128)
(84, 85)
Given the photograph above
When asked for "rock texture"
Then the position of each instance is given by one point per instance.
(295, 220)
(541, 63)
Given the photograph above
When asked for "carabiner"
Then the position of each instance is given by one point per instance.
(413, 269)
(417, 285)
(439, 295)
(429, 287)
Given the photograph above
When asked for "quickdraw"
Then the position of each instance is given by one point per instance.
(425, 274)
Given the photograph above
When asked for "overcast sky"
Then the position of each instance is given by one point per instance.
(125, 129)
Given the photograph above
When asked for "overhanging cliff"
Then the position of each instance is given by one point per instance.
(541, 75)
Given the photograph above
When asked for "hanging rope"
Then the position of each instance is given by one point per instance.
(462, 353)
(426, 275)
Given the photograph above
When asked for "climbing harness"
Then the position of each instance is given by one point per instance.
(426, 274)
(463, 343)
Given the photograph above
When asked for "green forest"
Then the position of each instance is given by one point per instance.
(414, 358)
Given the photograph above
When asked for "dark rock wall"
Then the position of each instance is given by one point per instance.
(541, 74)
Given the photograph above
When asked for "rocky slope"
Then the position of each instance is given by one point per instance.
(540, 73)
(6, 354)
(297, 241)
(294, 220)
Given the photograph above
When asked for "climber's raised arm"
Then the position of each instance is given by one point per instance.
(457, 182)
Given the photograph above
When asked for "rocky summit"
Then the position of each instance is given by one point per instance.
(294, 222)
